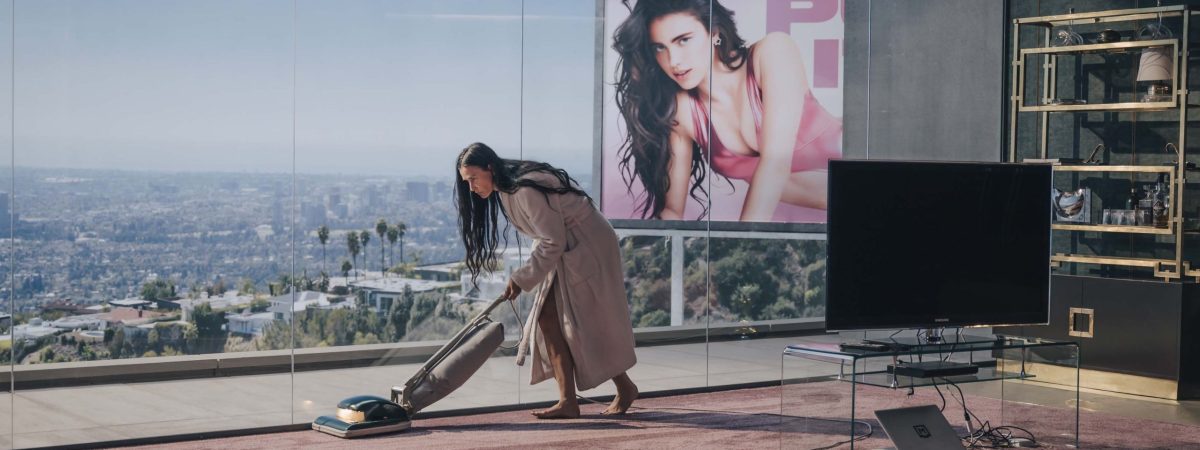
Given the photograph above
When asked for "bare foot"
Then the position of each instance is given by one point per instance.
(622, 401)
(559, 411)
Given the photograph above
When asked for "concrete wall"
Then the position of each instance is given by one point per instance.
(924, 79)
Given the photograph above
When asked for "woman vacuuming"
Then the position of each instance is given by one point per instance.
(582, 335)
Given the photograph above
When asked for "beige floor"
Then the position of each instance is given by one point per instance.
(88, 414)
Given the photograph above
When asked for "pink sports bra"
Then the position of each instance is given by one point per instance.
(818, 140)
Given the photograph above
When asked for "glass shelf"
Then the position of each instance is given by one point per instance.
(1104, 168)
(1109, 107)
(1135, 229)
(1118, 15)
(1105, 48)
(988, 372)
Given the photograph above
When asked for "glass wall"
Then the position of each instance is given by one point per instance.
(153, 189)
(228, 215)
(6, 225)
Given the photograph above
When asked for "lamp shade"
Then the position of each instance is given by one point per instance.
(1156, 65)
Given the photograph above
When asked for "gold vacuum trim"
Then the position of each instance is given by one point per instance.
(350, 415)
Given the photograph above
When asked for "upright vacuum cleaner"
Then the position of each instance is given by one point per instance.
(444, 372)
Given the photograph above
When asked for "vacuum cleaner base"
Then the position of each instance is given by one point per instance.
(364, 415)
(336, 427)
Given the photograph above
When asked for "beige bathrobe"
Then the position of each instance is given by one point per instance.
(574, 243)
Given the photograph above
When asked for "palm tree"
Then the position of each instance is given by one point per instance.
(346, 266)
(323, 236)
(381, 228)
(323, 282)
(365, 237)
(393, 233)
(401, 228)
(352, 246)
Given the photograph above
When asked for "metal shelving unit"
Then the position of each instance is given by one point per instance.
(1166, 268)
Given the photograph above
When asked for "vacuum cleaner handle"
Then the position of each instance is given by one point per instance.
(450, 346)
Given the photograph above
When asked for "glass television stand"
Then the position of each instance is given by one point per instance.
(985, 387)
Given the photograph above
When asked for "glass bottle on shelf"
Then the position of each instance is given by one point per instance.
(1145, 208)
(1160, 205)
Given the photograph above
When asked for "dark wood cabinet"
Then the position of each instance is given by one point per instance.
(1139, 328)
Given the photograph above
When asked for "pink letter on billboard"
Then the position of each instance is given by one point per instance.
(781, 14)
(825, 66)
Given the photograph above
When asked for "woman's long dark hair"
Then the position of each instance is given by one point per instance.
(646, 96)
(478, 217)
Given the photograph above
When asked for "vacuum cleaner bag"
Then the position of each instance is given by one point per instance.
(458, 365)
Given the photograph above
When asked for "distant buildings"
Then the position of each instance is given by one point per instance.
(284, 307)
(312, 215)
(5, 210)
(490, 285)
(439, 272)
(34, 330)
(417, 191)
(381, 293)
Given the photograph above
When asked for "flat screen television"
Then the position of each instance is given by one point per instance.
(937, 244)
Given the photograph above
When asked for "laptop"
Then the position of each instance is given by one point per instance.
(919, 428)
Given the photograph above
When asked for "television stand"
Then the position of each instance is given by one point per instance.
(815, 374)
(907, 342)
(932, 369)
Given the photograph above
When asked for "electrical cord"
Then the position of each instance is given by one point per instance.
(987, 436)
(520, 322)
(939, 392)
(870, 429)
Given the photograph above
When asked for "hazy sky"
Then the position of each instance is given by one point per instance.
(386, 87)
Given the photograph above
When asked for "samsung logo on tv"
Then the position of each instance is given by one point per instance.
(941, 320)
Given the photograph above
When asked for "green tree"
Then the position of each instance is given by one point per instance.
(191, 337)
(277, 335)
(381, 228)
(365, 237)
(158, 289)
(208, 328)
(247, 287)
(745, 301)
(393, 233)
(285, 282)
(346, 266)
(195, 290)
(259, 305)
(153, 340)
(353, 245)
(656, 318)
(117, 343)
(398, 315)
(323, 236)
(217, 288)
(323, 282)
(401, 228)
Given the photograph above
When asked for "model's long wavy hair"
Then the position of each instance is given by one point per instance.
(478, 217)
(646, 97)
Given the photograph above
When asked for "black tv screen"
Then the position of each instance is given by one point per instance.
(937, 244)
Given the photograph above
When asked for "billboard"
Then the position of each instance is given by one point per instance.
(726, 110)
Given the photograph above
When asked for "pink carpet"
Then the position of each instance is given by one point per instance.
(730, 420)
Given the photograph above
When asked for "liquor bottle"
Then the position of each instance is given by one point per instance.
(1160, 206)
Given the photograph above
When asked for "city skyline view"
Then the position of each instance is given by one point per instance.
(359, 87)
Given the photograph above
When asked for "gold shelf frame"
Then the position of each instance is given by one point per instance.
(1168, 269)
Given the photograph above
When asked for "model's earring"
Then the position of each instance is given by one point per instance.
(717, 42)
